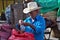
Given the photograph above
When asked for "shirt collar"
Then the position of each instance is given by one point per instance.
(32, 19)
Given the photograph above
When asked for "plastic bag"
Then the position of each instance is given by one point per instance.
(16, 35)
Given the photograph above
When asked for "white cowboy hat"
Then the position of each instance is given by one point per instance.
(31, 6)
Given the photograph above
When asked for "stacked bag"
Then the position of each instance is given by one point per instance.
(5, 31)
(18, 35)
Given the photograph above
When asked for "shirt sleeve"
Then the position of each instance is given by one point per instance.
(40, 27)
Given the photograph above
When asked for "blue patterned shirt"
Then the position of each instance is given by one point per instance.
(39, 24)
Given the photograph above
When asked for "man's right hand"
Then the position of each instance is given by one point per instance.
(21, 22)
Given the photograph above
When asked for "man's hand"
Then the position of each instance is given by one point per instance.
(21, 22)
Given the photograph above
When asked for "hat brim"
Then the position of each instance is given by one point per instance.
(27, 10)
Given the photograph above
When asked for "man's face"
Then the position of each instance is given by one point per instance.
(34, 13)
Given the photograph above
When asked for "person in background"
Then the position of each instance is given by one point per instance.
(35, 23)
(8, 14)
(3, 16)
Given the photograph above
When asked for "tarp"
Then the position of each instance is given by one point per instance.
(47, 5)
(59, 3)
(58, 13)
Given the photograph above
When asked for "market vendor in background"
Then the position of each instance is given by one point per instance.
(3, 18)
(35, 23)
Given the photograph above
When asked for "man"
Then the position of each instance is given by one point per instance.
(35, 23)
